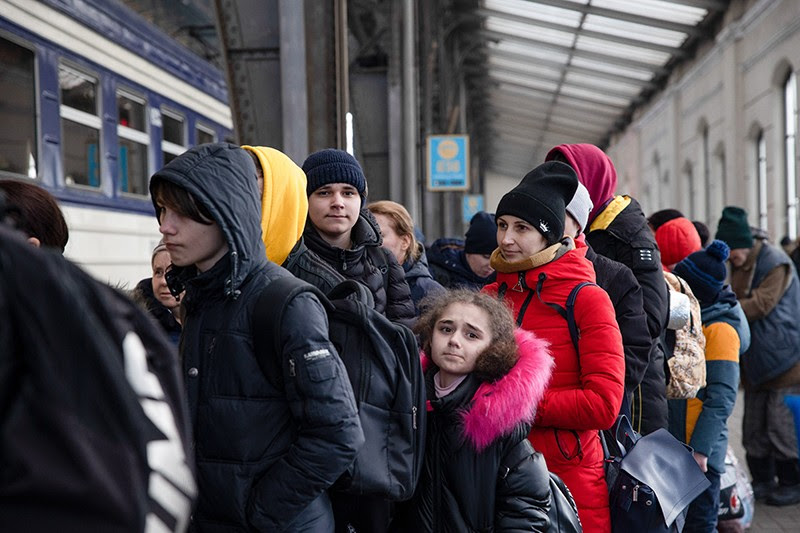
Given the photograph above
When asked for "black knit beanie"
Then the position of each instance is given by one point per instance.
(334, 166)
(705, 271)
(660, 218)
(481, 235)
(541, 198)
(734, 229)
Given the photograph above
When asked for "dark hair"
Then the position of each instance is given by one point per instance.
(703, 231)
(501, 354)
(34, 211)
(179, 199)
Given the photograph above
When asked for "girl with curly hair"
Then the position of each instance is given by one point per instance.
(484, 380)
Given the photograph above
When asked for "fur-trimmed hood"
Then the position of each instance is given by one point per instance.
(500, 406)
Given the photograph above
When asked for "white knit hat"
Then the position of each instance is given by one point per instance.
(580, 206)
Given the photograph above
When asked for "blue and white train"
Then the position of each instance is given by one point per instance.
(93, 100)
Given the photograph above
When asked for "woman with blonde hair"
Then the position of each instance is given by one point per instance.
(397, 230)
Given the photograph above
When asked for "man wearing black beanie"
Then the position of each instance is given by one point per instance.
(348, 238)
(465, 264)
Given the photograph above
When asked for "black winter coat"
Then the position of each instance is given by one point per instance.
(448, 265)
(420, 280)
(464, 486)
(311, 268)
(89, 389)
(366, 262)
(626, 297)
(272, 431)
(625, 237)
(143, 293)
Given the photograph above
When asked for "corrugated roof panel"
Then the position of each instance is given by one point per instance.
(570, 70)
(528, 81)
(660, 9)
(621, 50)
(623, 28)
(533, 53)
(603, 84)
(532, 67)
(595, 96)
(614, 69)
(531, 32)
(531, 9)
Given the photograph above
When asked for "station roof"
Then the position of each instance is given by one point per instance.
(569, 71)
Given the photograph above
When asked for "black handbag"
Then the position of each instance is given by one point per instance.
(563, 512)
(651, 479)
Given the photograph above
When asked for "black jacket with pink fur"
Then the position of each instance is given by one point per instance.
(470, 433)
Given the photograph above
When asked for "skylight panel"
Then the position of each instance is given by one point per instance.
(533, 10)
(658, 9)
(624, 51)
(622, 28)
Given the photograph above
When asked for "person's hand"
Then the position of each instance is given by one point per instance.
(702, 461)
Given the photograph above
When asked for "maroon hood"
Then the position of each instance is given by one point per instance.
(594, 169)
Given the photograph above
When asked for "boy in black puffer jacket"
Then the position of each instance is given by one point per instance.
(348, 237)
(272, 431)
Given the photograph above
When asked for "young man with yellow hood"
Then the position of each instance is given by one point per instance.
(284, 210)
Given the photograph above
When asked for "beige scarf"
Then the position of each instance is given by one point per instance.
(549, 254)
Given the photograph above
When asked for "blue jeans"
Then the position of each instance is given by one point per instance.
(704, 510)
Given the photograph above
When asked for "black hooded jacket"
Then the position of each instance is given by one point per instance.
(364, 262)
(92, 407)
(143, 292)
(626, 297)
(625, 237)
(271, 433)
(448, 265)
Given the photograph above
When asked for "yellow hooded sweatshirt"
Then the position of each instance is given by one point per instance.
(284, 204)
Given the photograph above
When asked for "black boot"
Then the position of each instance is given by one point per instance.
(788, 491)
(762, 470)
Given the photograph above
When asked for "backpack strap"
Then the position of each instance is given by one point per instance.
(567, 313)
(574, 332)
(267, 323)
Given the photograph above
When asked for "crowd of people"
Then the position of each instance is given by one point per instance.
(517, 388)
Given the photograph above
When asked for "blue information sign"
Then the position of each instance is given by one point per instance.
(448, 162)
(470, 205)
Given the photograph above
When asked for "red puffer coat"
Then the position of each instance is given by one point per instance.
(584, 395)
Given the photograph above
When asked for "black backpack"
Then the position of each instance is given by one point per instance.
(650, 487)
(383, 365)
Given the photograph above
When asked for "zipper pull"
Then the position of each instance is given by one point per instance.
(636, 493)
(292, 371)
(414, 417)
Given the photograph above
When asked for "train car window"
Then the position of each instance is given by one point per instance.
(174, 135)
(134, 143)
(80, 127)
(18, 111)
(205, 135)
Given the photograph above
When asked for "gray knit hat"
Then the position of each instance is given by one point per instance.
(580, 206)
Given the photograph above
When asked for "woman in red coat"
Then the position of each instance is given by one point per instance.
(537, 268)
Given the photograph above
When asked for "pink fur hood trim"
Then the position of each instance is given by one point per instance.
(498, 407)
